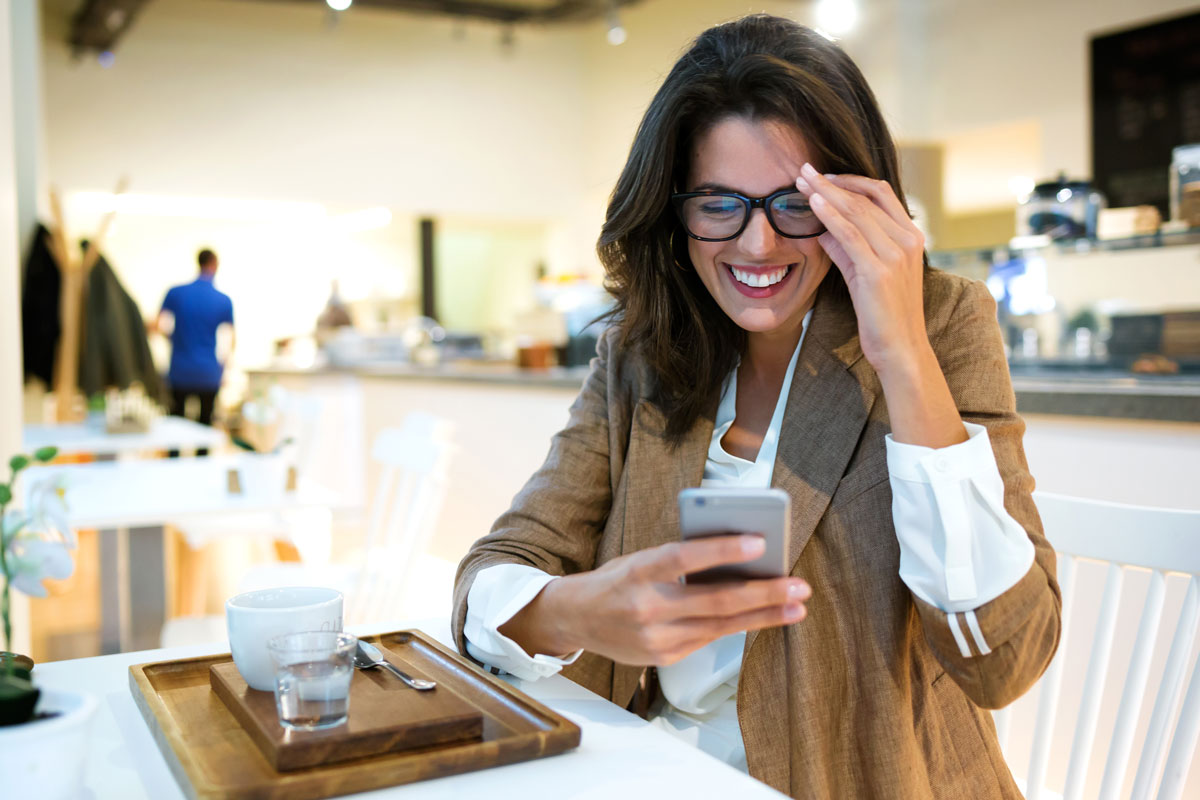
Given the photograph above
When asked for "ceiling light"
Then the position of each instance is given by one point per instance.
(837, 16)
(616, 31)
(338, 5)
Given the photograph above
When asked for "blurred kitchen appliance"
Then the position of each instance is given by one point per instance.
(1061, 209)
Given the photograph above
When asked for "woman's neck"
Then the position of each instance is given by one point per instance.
(768, 353)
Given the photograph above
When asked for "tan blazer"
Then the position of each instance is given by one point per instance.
(869, 696)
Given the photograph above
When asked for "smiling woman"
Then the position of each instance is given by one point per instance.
(777, 325)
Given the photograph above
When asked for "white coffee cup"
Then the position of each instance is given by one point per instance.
(253, 618)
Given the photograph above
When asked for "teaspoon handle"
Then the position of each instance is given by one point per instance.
(401, 674)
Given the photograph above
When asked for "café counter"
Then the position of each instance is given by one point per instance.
(503, 419)
(1081, 393)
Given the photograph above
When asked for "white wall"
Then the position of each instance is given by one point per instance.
(949, 68)
(16, 24)
(241, 99)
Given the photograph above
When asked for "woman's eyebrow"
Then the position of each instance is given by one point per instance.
(717, 187)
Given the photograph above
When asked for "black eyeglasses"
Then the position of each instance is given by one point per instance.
(721, 216)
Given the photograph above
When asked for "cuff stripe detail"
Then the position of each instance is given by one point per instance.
(976, 633)
(959, 638)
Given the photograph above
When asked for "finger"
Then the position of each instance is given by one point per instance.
(724, 600)
(899, 224)
(855, 205)
(671, 561)
(860, 240)
(712, 628)
(879, 191)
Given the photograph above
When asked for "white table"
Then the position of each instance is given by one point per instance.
(110, 494)
(130, 500)
(166, 433)
(620, 756)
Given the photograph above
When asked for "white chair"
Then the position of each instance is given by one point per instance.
(309, 531)
(1125, 537)
(392, 576)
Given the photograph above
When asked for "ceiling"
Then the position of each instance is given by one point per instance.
(98, 25)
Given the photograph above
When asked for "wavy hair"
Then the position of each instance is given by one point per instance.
(760, 67)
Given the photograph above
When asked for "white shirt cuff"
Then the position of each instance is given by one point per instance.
(959, 547)
(497, 594)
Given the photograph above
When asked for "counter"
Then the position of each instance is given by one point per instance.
(1086, 393)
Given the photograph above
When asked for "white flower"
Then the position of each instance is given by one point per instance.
(48, 509)
(32, 558)
(38, 542)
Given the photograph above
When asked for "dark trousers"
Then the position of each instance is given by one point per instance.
(208, 398)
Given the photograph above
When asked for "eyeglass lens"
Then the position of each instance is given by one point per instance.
(717, 216)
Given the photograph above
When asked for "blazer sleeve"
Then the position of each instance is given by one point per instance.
(555, 521)
(998, 650)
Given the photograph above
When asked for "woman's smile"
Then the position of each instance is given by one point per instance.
(759, 280)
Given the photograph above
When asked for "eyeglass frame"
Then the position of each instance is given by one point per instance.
(748, 203)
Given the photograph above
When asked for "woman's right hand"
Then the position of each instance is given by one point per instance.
(635, 610)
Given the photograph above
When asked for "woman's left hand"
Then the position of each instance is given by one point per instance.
(879, 250)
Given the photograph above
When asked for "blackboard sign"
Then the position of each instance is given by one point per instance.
(1145, 101)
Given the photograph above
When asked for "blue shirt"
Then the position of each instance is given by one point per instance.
(199, 309)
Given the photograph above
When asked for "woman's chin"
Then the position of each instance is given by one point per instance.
(760, 320)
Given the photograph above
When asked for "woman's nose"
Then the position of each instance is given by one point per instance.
(759, 237)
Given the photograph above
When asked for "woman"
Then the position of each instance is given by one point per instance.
(776, 325)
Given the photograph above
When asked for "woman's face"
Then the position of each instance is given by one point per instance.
(756, 158)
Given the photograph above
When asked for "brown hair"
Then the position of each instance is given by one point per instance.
(761, 67)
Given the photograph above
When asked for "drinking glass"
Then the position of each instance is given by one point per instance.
(312, 678)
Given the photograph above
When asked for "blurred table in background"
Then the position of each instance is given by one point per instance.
(166, 433)
(134, 498)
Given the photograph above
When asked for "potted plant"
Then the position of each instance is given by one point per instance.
(270, 469)
(43, 733)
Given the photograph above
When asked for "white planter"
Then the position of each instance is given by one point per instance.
(46, 758)
(264, 474)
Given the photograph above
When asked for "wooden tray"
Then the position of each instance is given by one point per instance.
(385, 716)
(212, 755)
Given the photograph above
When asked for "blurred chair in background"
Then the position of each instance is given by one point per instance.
(213, 548)
(392, 576)
(1126, 538)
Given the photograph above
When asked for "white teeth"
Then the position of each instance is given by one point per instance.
(760, 279)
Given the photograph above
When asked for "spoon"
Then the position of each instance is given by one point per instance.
(367, 656)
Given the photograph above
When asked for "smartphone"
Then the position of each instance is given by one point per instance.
(720, 512)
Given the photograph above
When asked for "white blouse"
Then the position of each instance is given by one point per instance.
(959, 549)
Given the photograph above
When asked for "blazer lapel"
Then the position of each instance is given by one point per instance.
(656, 473)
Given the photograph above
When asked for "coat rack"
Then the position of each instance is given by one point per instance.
(74, 272)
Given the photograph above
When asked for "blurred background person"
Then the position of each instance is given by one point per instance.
(191, 314)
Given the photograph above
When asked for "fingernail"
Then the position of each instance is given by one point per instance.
(809, 169)
(803, 185)
(792, 610)
(753, 545)
(829, 176)
(798, 590)
(815, 199)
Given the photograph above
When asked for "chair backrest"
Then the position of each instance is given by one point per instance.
(412, 484)
(1125, 537)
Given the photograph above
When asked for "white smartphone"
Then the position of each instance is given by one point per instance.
(717, 512)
